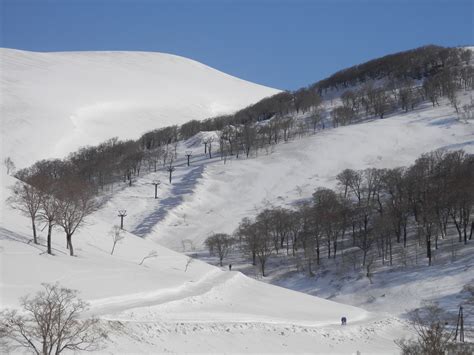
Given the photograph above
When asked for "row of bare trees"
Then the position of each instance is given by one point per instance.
(402, 73)
(402, 94)
(371, 211)
(285, 115)
(414, 64)
(48, 193)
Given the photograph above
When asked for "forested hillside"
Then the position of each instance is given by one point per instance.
(399, 82)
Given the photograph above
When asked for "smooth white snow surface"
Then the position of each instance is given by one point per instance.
(48, 109)
(53, 103)
(160, 307)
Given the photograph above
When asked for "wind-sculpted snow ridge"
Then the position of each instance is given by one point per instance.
(53, 103)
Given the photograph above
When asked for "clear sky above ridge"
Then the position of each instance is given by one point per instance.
(279, 43)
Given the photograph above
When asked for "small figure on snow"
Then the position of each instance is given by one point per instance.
(230, 267)
(343, 321)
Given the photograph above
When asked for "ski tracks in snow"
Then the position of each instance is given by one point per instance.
(118, 304)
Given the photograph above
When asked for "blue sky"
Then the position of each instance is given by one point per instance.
(281, 43)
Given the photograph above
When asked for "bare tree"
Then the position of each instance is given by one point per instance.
(75, 203)
(247, 233)
(27, 199)
(342, 116)
(189, 261)
(117, 236)
(432, 328)
(264, 239)
(249, 138)
(380, 102)
(151, 254)
(219, 244)
(49, 213)
(209, 146)
(316, 118)
(50, 324)
(10, 165)
(329, 210)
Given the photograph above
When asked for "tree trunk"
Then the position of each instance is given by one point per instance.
(398, 231)
(458, 227)
(69, 243)
(404, 235)
(428, 251)
(390, 247)
(353, 234)
(50, 228)
(35, 239)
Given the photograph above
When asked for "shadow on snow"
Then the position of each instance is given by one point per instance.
(180, 189)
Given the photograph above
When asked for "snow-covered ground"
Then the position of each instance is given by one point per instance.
(215, 197)
(53, 103)
(162, 306)
(172, 303)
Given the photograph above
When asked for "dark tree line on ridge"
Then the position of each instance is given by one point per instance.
(371, 211)
(414, 64)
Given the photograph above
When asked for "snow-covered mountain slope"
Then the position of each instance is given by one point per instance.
(52, 103)
(161, 306)
(214, 197)
(165, 305)
(168, 304)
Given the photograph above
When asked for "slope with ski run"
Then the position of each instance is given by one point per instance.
(211, 196)
(53, 103)
(160, 307)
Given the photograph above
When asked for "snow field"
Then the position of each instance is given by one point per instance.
(54, 103)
